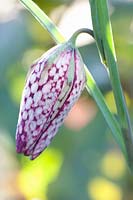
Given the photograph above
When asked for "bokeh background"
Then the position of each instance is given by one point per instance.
(83, 162)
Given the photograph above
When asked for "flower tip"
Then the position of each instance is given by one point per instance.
(31, 157)
(34, 156)
(20, 145)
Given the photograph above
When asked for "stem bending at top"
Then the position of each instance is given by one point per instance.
(82, 30)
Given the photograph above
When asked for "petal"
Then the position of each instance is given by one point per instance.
(54, 83)
(39, 87)
(66, 103)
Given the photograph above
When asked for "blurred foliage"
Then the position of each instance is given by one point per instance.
(79, 164)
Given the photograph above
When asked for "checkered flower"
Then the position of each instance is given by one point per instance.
(53, 85)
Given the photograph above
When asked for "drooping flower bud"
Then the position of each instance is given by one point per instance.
(53, 85)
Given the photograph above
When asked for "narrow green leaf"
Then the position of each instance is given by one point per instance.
(103, 34)
(44, 20)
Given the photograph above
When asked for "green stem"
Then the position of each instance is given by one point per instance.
(91, 85)
(104, 39)
(44, 20)
(110, 119)
(82, 30)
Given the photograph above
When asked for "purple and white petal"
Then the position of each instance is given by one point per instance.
(48, 96)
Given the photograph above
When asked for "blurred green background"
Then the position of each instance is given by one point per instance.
(83, 162)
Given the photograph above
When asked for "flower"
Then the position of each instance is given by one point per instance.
(53, 85)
